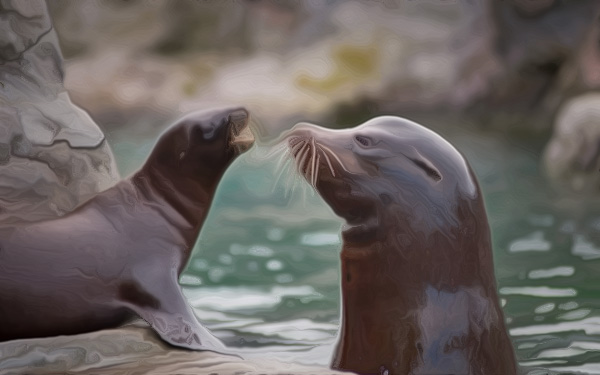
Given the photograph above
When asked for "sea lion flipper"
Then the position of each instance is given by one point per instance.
(182, 331)
(171, 317)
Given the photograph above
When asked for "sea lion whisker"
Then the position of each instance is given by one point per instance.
(328, 161)
(303, 192)
(267, 152)
(308, 164)
(313, 161)
(284, 158)
(316, 174)
(291, 142)
(292, 178)
(298, 155)
(301, 157)
(272, 151)
(293, 185)
(289, 185)
(325, 148)
(294, 149)
(281, 165)
(282, 170)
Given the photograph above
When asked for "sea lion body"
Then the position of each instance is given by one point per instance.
(121, 253)
(418, 288)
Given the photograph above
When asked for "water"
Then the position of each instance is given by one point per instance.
(264, 273)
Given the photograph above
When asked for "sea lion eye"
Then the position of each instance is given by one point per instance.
(363, 141)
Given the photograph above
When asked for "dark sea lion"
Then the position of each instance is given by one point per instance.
(121, 253)
(418, 288)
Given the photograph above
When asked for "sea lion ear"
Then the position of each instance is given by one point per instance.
(425, 164)
(428, 168)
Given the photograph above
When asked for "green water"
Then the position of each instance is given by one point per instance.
(264, 274)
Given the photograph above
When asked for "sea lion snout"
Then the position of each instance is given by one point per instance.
(320, 153)
(202, 144)
(302, 130)
(238, 119)
(211, 125)
(241, 135)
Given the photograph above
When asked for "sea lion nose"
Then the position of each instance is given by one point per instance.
(303, 130)
(241, 135)
(238, 118)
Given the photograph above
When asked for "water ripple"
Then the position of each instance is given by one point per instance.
(591, 326)
(539, 291)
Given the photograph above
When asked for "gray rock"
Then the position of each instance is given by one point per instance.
(52, 154)
(572, 156)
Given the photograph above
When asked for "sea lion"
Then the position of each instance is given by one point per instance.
(417, 277)
(121, 252)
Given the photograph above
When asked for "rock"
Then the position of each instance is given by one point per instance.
(133, 349)
(398, 54)
(572, 157)
(538, 61)
(52, 154)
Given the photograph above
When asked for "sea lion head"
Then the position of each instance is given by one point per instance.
(386, 172)
(201, 145)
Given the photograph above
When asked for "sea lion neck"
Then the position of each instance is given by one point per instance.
(446, 254)
(407, 259)
(428, 283)
(186, 197)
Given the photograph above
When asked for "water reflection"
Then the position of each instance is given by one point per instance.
(539, 291)
(552, 272)
(532, 242)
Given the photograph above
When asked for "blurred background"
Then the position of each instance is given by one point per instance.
(512, 84)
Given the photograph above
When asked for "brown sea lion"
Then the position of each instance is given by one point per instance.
(121, 253)
(418, 288)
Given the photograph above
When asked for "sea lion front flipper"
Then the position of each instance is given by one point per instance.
(170, 316)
